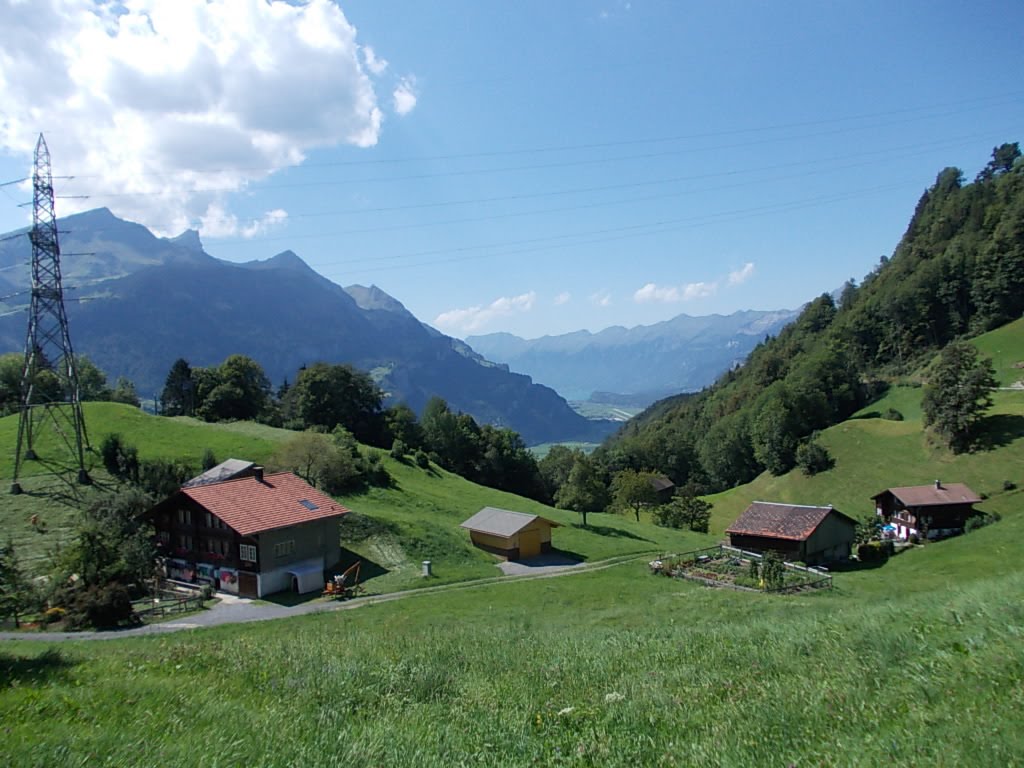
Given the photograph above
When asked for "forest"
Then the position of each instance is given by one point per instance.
(957, 271)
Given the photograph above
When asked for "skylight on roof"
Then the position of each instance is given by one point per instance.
(308, 505)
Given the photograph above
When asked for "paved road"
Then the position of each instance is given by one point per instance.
(235, 610)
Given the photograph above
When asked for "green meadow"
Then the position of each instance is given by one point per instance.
(915, 662)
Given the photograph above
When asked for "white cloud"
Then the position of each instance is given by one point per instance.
(652, 292)
(163, 108)
(405, 96)
(374, 64)
(601, 299)
(742, 274)
(218, 222)
(699, 290)
(562, 298)
(671, 294)
(475, 318)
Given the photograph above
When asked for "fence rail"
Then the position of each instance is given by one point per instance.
(173, 603)
(823, 582)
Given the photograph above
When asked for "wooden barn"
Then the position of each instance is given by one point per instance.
(512, 535)
(929, 511)
(812, 535)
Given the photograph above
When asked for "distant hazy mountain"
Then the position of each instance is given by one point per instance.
(137, 302)
(678, 355)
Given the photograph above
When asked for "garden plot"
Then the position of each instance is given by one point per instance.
(724, 566)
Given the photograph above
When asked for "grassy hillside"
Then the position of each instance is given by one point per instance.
(916, 662)
(395, 529)
(873, 453)
(1006, 348)
(608, 668)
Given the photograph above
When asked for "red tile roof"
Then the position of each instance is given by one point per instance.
(252, 506)
(794, 522)
(932, 495)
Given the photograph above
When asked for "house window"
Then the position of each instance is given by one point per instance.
(247, 552)
(164, 537)
(185, 517)
(284, 548)
(184, 542)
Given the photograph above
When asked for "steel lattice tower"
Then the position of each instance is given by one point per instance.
(49, 379)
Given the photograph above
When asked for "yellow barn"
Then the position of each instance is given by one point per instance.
(512, 535)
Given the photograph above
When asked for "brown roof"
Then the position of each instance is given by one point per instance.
(794, 522)
(661, 483)
(252, 506)
(932, 495)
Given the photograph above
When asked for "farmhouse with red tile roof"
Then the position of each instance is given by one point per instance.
(798, 532)
(251, 536)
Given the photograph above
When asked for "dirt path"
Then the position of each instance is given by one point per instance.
(237, 611)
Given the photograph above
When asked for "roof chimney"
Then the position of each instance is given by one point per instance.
(938, 486)
(257, 472)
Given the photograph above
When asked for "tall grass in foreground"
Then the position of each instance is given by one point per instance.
(609, 668)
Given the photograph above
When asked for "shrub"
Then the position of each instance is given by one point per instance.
(1009, 485)
(422, 459)
(892, 415)
(374, 470)
(981, 520)
(812, 457)
(398, 450)
(773, 572)
(875, 551)
(102, 607)
(119, 458)
(53, 615)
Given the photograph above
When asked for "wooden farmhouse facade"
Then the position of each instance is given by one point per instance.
(512, 535)
(926, 511)
(813, 535)
(251, 536)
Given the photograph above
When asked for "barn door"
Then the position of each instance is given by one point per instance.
(247, 585)
(529, 543)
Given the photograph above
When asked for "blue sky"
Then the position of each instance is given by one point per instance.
(531, 167)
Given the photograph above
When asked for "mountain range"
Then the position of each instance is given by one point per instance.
(137, 302)
(647, 362)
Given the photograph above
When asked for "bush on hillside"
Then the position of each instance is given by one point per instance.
(812, 457)
(99, 607)
(981, 520)
(422, 459)
(892, 415)
(398, 450)
(875, 551)
(119, 458)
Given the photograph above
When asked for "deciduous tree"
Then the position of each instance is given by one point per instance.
(958, 392)
(633, 490)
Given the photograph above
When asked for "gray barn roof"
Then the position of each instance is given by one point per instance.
(226, 470)
(501, 522)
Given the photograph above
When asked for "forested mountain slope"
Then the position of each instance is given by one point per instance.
(137, 302)
(957, 271)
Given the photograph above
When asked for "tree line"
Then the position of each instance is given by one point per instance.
(51, 384)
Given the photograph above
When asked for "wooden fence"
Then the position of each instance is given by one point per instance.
(168, 603)
(815, 578)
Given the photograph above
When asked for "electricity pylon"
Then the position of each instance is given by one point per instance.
(49, 378)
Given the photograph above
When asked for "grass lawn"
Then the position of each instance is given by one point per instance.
(1006, 348)
(609, 668)
(416, 519)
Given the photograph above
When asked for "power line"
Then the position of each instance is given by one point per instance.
(925, 112)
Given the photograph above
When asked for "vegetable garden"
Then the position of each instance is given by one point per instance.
(725, 566)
